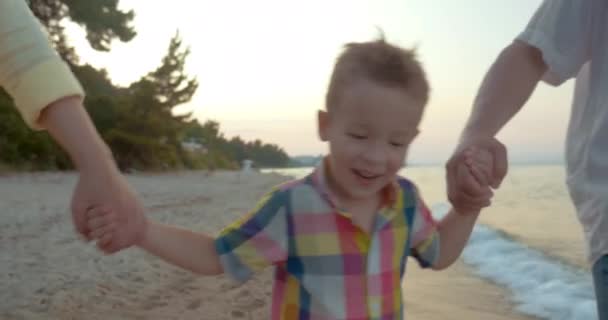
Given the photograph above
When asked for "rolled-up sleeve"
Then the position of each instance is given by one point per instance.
(30, 69)
(562, 31)
(425, 236)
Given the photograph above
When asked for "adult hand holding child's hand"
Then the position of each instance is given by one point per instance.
(107, 188)
(468, 192)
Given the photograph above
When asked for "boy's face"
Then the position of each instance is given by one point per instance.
(369, 133)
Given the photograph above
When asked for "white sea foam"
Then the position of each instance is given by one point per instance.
(540, 286)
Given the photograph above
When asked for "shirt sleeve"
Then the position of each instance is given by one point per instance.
(562, 31)
(425, 235)
(257, 240)
(30, 69)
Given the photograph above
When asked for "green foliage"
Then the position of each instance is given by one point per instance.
(141, 152)
(101, 19)
(136, 122)
(23, 148)
(234, 150)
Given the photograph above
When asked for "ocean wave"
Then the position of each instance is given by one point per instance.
(541, 286)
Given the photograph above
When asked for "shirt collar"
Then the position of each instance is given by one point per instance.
(319, 179)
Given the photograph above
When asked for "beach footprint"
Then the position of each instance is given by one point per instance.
(195, 304)
(238, 314)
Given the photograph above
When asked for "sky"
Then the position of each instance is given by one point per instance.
(263, 66)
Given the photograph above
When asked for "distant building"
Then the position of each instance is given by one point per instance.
(247, 165)
(194, 146)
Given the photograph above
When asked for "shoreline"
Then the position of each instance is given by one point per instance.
(53, 275)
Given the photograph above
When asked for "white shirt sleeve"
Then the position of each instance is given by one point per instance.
(30, 69)
(562, 31)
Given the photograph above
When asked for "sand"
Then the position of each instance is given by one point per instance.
(48, 273)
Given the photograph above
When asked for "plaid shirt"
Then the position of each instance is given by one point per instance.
(326, 266)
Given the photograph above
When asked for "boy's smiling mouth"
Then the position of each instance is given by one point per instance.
(366, 175)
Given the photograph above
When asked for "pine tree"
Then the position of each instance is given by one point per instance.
(101, 19)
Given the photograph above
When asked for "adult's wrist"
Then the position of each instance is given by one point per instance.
(473, 132)
(93, 155)
(69, 124)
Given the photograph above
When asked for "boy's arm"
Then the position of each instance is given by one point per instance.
(184, 248)
(456, 227)
(454, 232)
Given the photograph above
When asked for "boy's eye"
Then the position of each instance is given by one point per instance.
(357, 136)
(397, 144)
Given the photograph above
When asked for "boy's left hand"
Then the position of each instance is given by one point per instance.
(476, 170)
(464, 192)
(480, 164)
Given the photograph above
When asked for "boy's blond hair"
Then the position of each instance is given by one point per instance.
(379, 62)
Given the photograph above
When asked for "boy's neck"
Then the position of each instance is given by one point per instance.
(355, 206)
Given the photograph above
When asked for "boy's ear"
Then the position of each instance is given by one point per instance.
(323, 124)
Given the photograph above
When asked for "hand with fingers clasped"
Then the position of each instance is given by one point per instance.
(477, 166)
(476, 170)
(103, 224)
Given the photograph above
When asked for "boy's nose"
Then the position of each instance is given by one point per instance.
(376, 154)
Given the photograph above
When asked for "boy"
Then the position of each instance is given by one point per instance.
(339, 238)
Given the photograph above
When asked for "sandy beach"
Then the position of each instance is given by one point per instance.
(47, 273)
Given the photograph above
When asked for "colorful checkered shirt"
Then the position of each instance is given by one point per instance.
(325, 266)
